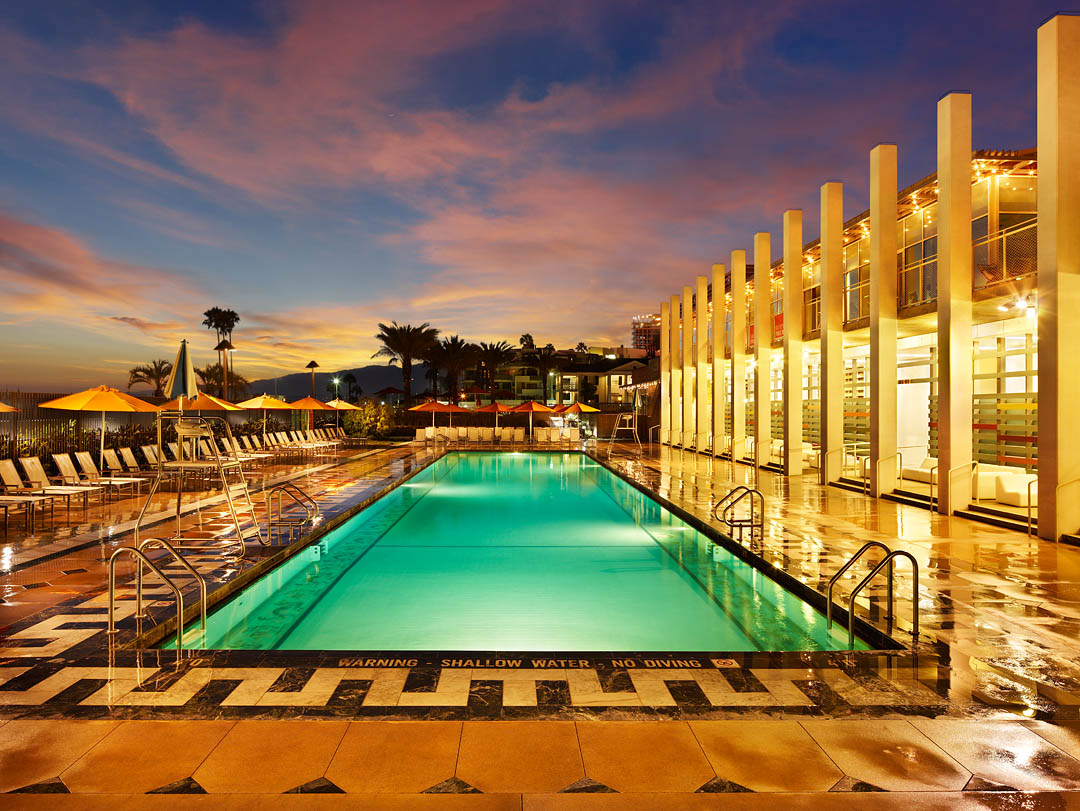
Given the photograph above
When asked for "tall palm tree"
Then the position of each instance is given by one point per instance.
(527, 342)
(222, 322)
(351, 389)
(454, 356)
(546, 361)
(491, 357)
(403, 344)
(210, 378)
(582, 348)
(153, 374)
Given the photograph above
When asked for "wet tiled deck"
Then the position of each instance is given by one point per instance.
(977, 718)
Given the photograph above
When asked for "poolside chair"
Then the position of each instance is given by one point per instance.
(574, 437)
(506, 436)
(71, 477)
(40, 484)
(519, 436)
(540, 435)
(29, 506)
(487, 435)
(473, 435)
(151, 454)
(89, 469)
(11, 485)
(462, 435)
(131, 464)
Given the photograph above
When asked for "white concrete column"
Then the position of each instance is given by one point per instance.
(719, 389)
(689, 379)
(665, 372)
(954, 302)
(762, 346)
(832, 332)
(793, 342)
(676, 370)
(1059, 275)
(738, 354)
(883, 374)
(703, 416)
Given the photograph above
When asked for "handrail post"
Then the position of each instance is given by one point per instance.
(851, 562)
(150, 565)
(183, 562)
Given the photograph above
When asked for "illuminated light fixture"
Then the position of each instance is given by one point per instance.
(1003, 307)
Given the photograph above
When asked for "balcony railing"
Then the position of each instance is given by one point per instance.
(917, 284)
(1006, 256)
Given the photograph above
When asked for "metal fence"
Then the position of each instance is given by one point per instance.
(1006, 255)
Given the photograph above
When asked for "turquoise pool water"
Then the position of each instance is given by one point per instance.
(517, 552)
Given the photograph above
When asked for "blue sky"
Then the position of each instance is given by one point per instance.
(487, 166)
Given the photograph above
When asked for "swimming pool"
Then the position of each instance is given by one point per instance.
(517, 552)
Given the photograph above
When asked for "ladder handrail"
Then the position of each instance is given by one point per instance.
(747, 491)
(851, 562)
(756, 521)
(142, 557)
(724, 500)
(199, 579)
(297, 494)
(899, 553)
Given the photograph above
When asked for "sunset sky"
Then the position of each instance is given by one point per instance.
(490, 166)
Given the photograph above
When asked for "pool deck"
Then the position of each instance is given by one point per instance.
(984, 711)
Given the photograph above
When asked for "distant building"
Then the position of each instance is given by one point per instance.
(645, 332)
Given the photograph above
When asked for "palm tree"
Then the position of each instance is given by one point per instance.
(351, 389)
(582, 348)
(491, 357)
(222, 322)
(527, 342)
(546, 361)
(210, 378)
(153, 374)
(454, 356)
(402, 344)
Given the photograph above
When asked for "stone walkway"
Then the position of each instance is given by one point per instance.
(998, 615)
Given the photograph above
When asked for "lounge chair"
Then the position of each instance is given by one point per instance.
(131, 464)
(421, 436)
(71, 477)
(1012, 489)
(506, 436)
(29, 505)
(40, 484)
(474, 436)
(89, 469)
(574, 437)
(519, 436)
(151, 454)
(487, 435)
(540, 435)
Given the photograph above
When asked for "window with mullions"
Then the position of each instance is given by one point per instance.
(857, 279)
(917, 257)
(777, 309)
(812, 297)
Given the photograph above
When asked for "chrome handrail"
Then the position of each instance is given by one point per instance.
(1033, 481)
(724, 500)
(756, 520)
(914, 595)
(142, 557)
(657, 429)
(974, 465)
(163, 544)
(851, 562)
(299, 497)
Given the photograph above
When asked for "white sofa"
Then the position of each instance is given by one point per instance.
(1012, 489)
(921, 472)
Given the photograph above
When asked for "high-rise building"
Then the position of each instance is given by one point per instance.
(645, 332)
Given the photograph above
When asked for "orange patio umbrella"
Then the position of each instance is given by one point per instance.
(496, 409)
(265, 402)
(530, 408)
(435, 407)
(6, 409)
(309, 403)
(101, 398)
(579, 408)
(201, 402)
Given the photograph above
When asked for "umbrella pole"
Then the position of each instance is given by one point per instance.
(101, 455)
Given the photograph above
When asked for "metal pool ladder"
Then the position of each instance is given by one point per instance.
(886, 563)
(143, 558)
(754, 521)
(277, 517)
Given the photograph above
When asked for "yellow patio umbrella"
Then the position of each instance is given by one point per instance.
(496, 409)
(6, 409)
(101, 398)
(265, 402)
(579, 408)
(530, 408)
(341, 405)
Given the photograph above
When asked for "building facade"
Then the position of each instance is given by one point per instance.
(925, 359)
(645, 332)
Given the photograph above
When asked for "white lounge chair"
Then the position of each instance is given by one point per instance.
(519, 436)
(1012, 489)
